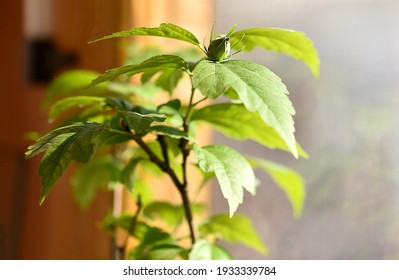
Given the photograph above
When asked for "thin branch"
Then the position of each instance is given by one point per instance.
(199, 101)
(190, 105)
(132, 227)
(154, 158)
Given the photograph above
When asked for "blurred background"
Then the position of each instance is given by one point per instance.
(347, 120)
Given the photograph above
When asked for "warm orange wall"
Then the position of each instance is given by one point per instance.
(58, 229)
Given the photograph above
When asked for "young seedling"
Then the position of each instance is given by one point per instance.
(114, 128)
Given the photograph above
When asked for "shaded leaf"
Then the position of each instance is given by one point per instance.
(237, 229)
(170, 107)
(235, 121)
(156, 63)
(68, 103)
(111, 222)
(169, 131)
(257, 87)
(120, 104)
(203, 250)
(92, 177)
(167, 80)
(166, 30)
(169, 213)
(129, 89)
(139, 123)
(287, 180)
(167, 251)
(293, 43)
(232, 170)
(128, 173)
(154, 243)
(60, 147)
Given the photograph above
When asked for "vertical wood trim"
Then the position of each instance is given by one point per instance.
(59, 229)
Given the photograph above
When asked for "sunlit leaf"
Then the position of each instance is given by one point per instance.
(237, 229)
(203, 250)
(73, 102)
(170, 214)
(257, 87)
(292, 43)
(166, 30)
(60, 147)
(156, 63)
(287, 180)
(235, 121)
(232, 170)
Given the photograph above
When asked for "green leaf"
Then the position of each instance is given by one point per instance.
(120, 104)
(71, 83)
(170, 108)
(156, 63)
(167, 251)
(71, 102)
(60, 147)
(169, 131)
(292, 43)
(169, 213)
(287, 180)
(138, 123)
(166, 30)
(111, 222)
(203, 250)
(257, 87)
(167, 80)
(237, 229)
(92, 177)
(129, 89)
(232, 171)
(154, 244)
(235, 121)
(127, 173)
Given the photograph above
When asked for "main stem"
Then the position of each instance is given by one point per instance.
(186, 152)
(182, 187)
(165, 166)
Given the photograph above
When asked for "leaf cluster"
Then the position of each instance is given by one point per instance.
(115, 128)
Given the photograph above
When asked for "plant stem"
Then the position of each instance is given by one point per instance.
(186, 152)
(164, 166)
(182, 187)
(190, 105)
(187, 212)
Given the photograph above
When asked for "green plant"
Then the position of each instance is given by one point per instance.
(117, 128)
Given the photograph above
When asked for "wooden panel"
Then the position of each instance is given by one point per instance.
(58, 229)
